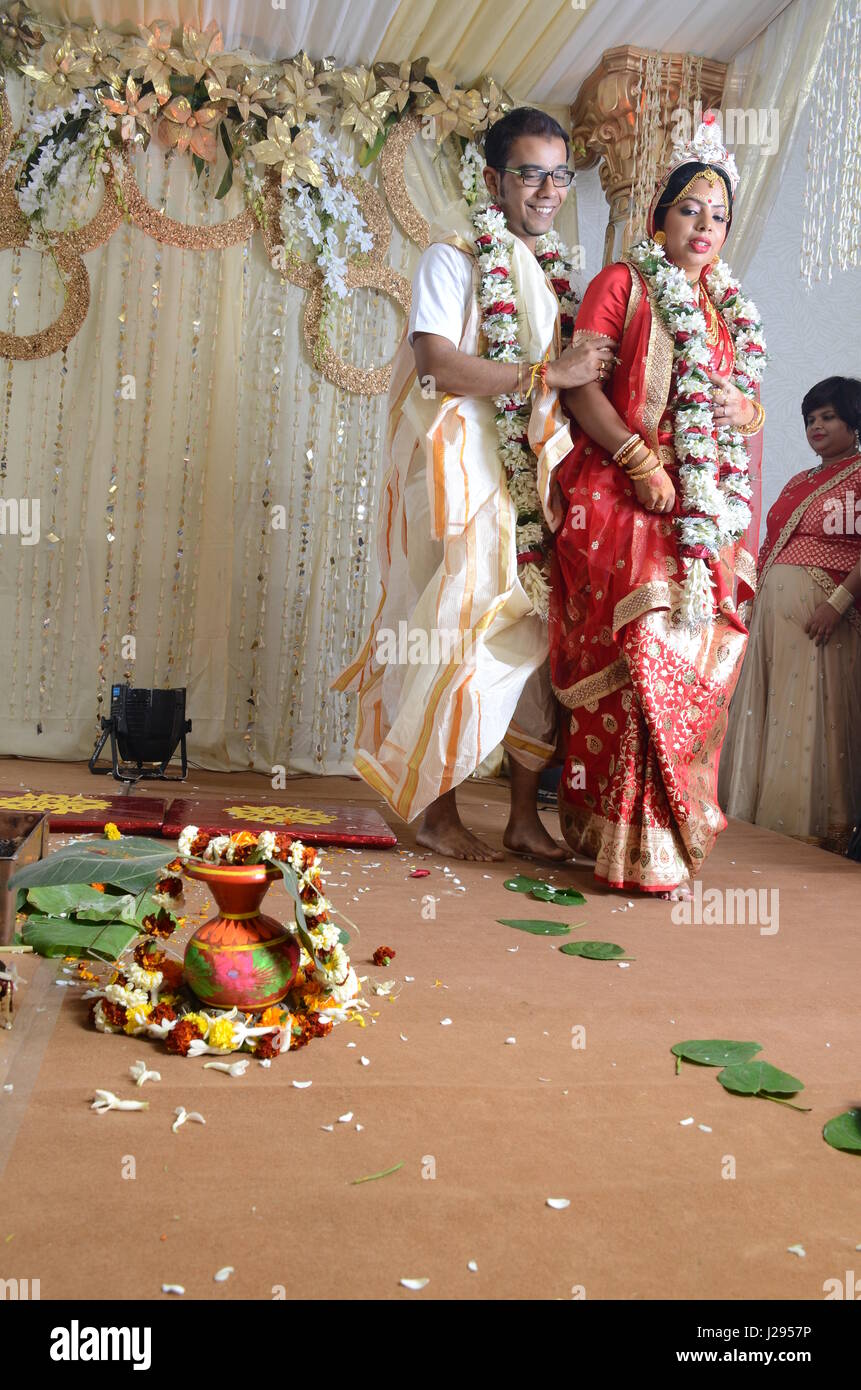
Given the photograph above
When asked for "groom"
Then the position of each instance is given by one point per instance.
(473, 672)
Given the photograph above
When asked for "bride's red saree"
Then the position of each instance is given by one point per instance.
(645, 700)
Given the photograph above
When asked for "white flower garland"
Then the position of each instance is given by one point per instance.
(497, 299)
(714, 478)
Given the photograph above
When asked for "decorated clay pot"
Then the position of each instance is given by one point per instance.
(239, 956)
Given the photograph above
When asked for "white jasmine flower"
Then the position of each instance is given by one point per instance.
(139, 1074)
(182, 1115)
(237, 1068)
(186, 840)
(106, 1100)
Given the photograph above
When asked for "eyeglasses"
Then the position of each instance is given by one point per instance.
(533, 176)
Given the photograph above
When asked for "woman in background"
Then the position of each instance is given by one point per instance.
(792, 759)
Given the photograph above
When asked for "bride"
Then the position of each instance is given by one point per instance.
(646, 642)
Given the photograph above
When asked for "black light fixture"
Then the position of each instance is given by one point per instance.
(145, 728)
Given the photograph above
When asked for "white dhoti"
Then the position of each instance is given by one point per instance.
(455, 662)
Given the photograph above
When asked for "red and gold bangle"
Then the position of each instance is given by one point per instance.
(756, 424)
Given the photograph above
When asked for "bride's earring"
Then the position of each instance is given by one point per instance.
(660, 238)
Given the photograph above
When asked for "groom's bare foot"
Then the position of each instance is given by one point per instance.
(528, 836)
(442, 829)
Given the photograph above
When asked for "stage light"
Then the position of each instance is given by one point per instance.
(145, 728)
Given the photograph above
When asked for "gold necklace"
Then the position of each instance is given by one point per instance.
(711, 316)
(826, 463)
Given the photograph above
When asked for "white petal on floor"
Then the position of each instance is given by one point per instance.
(558, 1203)
(688, 1121)
(301, 1085)
(330, 1128)
(345, 1119)
(444, 1022)
(472, 1267)
(365, 1061)
(510, 1041)
(223, 1274)
(796, 1250)
(706, 1129)
(415, 1283)
(172, 1288)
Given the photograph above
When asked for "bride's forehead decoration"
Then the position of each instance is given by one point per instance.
(706, 147)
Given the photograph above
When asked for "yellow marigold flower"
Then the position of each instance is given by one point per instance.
(111, 832)
(137, 1017)
(221, 1033)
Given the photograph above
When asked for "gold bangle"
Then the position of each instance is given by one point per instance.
(755, 425)
(635, 457)
(628, 444)
(841, 600)
(646, 472)
(519, 387)
(645, 466)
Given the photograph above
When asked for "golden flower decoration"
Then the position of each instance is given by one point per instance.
(401, 81)
(367, 106)
(204, 55)
(299, 92)
(496, 101)
(133, 110)
(456, 112)
(181, 128)
(97, 46)
(16, 28)
(155, 59)
(292, 155)
(247, 96)
(61, 72)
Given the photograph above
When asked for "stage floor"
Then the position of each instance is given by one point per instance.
(486, 1129)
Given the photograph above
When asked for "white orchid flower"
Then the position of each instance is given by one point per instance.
(186, 840)
(238, 1068)
(139, 1073)
(106, 1100)
(182, 1115)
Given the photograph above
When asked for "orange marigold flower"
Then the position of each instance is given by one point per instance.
(271, 1017)
(99, 887)
(175, 866)
(171, 887)
(162, 1013)
(159, 924)
(267, 1046)
(148, 957)
(114, 1014)
(383, 955)
(180, 1038)
(199, 844)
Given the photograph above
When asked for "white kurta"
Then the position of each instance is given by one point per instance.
(449, 668)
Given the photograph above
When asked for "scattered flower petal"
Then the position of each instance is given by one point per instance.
(329, 1128)
(359, 1128)
(139, 1074)
(106, 1100)
(415, 1283)
(404, 1037)
(444, 1022)
(222, 1276)
(688, 1121)
(172, 1288)
(238, 1068)
(345, 1119)
(472, 1267)
(797, 1250)
(301, 1085)
(365, 1061)
(558, 1203)
(420, 873)
(706, 1129)
(510, 1041)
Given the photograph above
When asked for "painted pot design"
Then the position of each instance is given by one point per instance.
(239, 957)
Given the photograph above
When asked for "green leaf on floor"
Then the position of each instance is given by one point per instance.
(81, 901)
(715, 1052)
(760, 1079)
(521, 883)
(535, 926)
(594, 950)
(844, 1131)
(57, 936)
(565, 897)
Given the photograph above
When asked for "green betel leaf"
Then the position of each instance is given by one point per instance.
(57, 936)
(565, 897)
(134, 863)
(716, 1052)
(844, 1132)
(593, 950)
(535, 926)
(79, 900)
(753, 1078)
(521, 883)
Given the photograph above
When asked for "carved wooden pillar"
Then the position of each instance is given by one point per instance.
(603, 120)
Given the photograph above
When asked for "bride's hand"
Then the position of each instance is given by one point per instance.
(822, 623)
(731, 406)
(656, 493)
